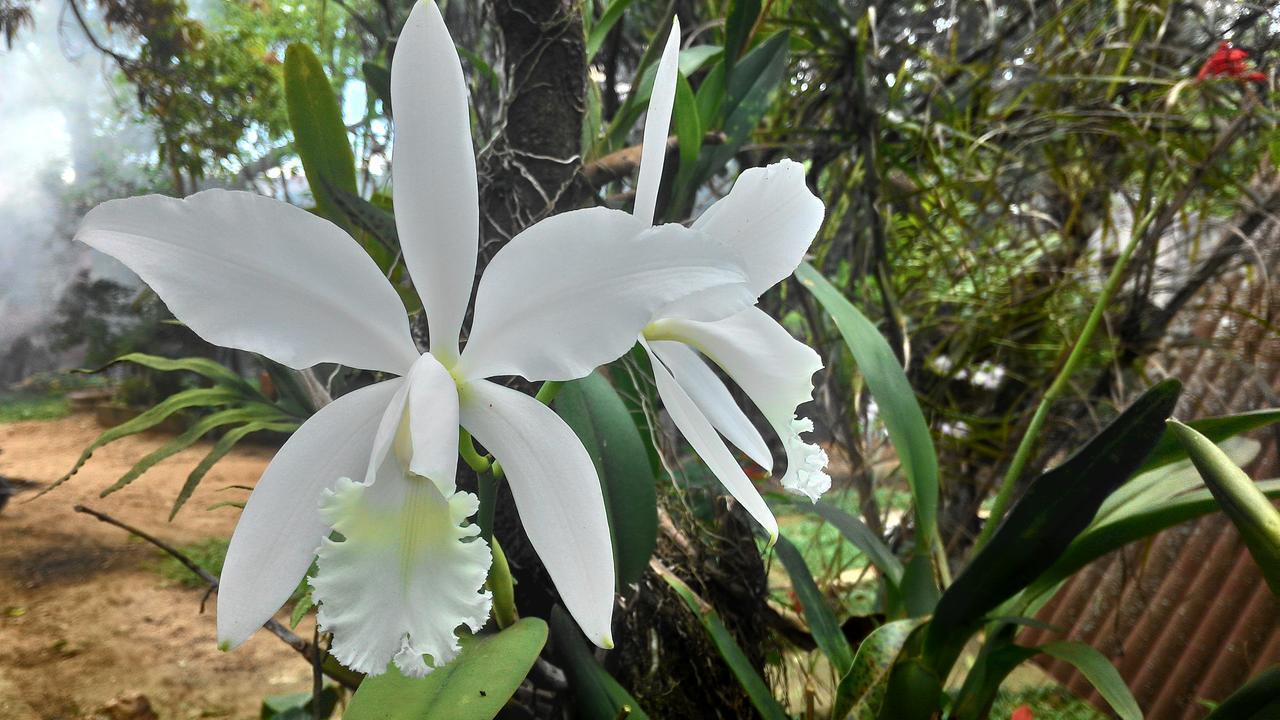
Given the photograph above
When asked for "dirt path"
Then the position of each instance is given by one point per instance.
(83, 618)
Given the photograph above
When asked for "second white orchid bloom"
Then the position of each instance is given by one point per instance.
(769, 217)
(378, 464)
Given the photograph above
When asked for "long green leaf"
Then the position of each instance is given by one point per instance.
(757, 689)
(319, 135)
(1216, 429)
(737, 28)
(600, 419)
(1258, 699)
(203, 367)
(822, 621)
(1099, 671)
(595, 693)
(1167, 481)
(1057, 506)
(897, 401)
(600, 30)
(189, 437)
(857, 532)
(220, 449)
(862, 687)
(1243, 503)
(748, 91)
(474, 686)
(198, 397)
(378, 80)
(688, 134)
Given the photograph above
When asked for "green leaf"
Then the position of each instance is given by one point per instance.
(1167, 481)
(755, 686)
(365, 216)
(998, 657)
(862, 687)
(1216, 429)
(919, 586)
(475, 686)
(893, 394)
(688, 134)
(737, 28)
(857, 532)
(823, 624)
(203, 367)
(1099, 671)
(1243, 503)
(600, 31)
(189, 437)
(595, 693)
(1057, 506)
(197, 397)
(298, 706)
(319, 135)
(710, 97)
(749, 87)
(221, 448)
(600, 419)
(693, 58)
(1258, 699)
(378, 80)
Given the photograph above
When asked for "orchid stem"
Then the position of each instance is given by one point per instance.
(472, 457)
(503, 589)
(487, 489)
(548, 391)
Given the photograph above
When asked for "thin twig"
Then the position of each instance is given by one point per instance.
(302, 647)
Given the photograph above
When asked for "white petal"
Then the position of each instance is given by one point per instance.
(702, 437)
(557, 493)
(281, 525)
(573, 292)
(712, 398)
(406, 575)
(656, 123)
(424, 410)
(434, 173)
(770, 217)
(775, 370)
(249, 272)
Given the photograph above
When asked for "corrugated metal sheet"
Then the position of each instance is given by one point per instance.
(1186, 616)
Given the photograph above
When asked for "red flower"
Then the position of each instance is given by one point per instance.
(1022, 712)
(1228, 61)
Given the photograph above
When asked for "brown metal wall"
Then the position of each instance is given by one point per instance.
(1186, 616)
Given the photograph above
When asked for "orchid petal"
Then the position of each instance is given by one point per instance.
(405, 576)
(557, 493)
(770, 217)
(707, 391)
(695, 427)
(573, 291)
(434, 172)
(775, 370)
(281, 526)
(424, 410)
(656, 123)
(248, 272)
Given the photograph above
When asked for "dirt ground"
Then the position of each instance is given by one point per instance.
(83, 617)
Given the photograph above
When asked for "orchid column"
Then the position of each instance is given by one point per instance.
(378, 465)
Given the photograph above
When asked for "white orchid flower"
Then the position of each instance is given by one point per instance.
(378, 464)
(769, 217)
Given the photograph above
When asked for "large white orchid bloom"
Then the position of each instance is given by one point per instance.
(769, 217)
(377, 465)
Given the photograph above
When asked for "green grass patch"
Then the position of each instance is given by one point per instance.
(17, 408)
(1046, 702)
(208, 554)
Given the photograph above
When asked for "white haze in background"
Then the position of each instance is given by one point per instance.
(55, 100)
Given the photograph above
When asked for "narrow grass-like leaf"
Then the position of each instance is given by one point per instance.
(203, 367)
(599, 417)
(857, 532)
(1243, 503)
(1167, 481)
(595, 693)
(474, 686)
(893, 394)
(862, 687)
(755, 686)
(748, 90)
(319, 135)
(737, 28)
(224, 445)
(823, 624)
(600, 30)
(197, 397)
(1099, 671)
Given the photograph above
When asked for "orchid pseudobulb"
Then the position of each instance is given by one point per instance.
(769, 217)
(378, 464)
